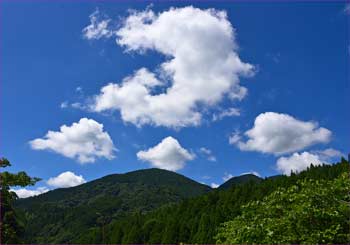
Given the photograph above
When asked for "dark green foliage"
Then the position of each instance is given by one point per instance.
(11, 227)
(239, 180)
(196, 220)
(141, 209)
(82, 212)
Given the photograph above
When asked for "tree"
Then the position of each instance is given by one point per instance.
(10, 226)
(311, 211)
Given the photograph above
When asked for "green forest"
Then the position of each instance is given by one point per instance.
(156, 206)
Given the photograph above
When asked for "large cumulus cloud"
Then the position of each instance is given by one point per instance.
(202, 67)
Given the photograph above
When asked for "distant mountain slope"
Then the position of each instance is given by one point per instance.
(242, 179)
(59, 215)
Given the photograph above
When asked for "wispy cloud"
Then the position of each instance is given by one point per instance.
(98, 27)
(230, 112)
(207, 153)
(227, 176)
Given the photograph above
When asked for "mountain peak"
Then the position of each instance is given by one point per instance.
(240, 180)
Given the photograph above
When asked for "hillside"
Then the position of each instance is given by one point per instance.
(242, 179)
(196, 220)
(153, 206)
(59, 215)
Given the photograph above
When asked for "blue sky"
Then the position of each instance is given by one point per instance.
(299, 53)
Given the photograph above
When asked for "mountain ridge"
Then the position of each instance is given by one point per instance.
(112, 196)
(241, 179)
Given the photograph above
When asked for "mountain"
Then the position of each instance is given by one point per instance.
(242, 179)
(59, 215)
(161, 207)
(197, 220)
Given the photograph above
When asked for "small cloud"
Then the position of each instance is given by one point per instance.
(75, 105)
(24, 192)
(300, 161)
(208, 154)
(227, 176)
(66, 179)
(98, 27)
(328, 154)
(64, 105)
(205, 150)
(279, 133)
(297, 162)
(234, 138)
(168, 154)
(230, 112)
(84, 141)
(211, 158)
(79, 89)
(214, 185)
(78, 105)
(206, 177)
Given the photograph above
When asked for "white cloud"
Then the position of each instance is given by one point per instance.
(234, 137)
(329, 153)
(205, 150)
(24, 192)
(168, 154)
(78, 105)
(227, 176)
(202, 67)
(297, 162)
(98, 27)
(64, 104)
(230, 112)
(84, 141)
(66, 179)
(214, 185)
(75, 105)
(211, 158)
(208, 154)
(281, 133)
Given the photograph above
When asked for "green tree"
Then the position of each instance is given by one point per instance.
(11, 228)
(311, 211)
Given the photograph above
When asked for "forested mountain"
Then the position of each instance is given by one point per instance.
(197, 220)
(242, 179)
(157, 206)
(60, 215)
